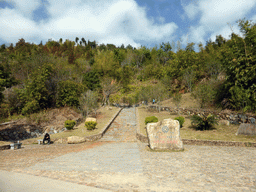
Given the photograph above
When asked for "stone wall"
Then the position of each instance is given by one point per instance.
(15, 132)
(20, 132)
(234, 118)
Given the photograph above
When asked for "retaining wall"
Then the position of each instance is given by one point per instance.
(234, 118)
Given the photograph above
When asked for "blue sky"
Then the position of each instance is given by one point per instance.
(136, 22)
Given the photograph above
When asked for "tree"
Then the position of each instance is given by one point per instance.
(177, 100)
(69, 93)
(145, 94)
(91, 80)
(77, 39)
(158, 92)
(89, 102)
(5, 80)
(35, 95)
(239, 58)
(189, 76)
(109, 86)
(205, 93)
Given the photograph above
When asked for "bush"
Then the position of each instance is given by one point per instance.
(90, 125)
(69, 124)
(181, 120)
(151, 119)
(69, 93)
(204, 122)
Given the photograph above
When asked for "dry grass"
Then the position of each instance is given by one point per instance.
(221, 132)
(105, 115)
(187, 101)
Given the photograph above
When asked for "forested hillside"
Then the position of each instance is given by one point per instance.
(82, 73)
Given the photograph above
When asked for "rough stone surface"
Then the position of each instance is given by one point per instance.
(246, 129)
(165, 135)
(224, 122)
(75, 139)
(91, 119)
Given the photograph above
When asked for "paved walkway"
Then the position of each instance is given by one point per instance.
(120, 163)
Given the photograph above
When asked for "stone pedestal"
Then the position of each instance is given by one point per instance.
(165, 135)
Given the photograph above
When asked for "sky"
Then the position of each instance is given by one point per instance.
(135, 22)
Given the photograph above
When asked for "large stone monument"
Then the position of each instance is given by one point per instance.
(165, 135)
(246, 129)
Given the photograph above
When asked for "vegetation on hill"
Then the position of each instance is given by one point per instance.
(35, 77)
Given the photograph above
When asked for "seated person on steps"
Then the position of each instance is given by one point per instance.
(47, 138)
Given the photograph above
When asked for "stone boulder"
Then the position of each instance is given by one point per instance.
(224, 122)
(165, 135)
(75, 140)
(90, 119)
(246, 129)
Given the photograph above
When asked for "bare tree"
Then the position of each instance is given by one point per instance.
(189, 76)
(89, 102)
(177, 100)
(109, 86)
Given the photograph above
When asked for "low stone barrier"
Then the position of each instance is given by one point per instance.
(218, 143)
(234, 118)
(144, 139)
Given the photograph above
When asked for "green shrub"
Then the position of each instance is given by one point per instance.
(151, 119)
(69, 124)
(204, 122)
(90, 125)
(181, 120)
(30, 107)
(69, 93)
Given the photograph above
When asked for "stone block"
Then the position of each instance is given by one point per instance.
(246, 129)
(165, 135)
(224, 122)
(76, 139)
(252, 120)
(90, 119)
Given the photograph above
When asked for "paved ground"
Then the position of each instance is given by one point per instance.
(120, 163)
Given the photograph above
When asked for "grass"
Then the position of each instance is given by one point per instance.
(105, 115)
(187, 101)
(221, 132)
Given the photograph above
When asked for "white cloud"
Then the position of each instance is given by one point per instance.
(253, 18)
(26, 7)
(226, 31)
(191, 10)
(16, 26)
(218, 17)
(109, 21)
(216, 13)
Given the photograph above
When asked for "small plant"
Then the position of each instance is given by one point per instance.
(204, 122)
(90, 125)
(181, 120)
(69, 124)
(151, 119)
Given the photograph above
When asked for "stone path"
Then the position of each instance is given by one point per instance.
(123, 129)
(120, 163)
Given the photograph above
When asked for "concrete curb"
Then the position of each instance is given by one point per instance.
(144, 139)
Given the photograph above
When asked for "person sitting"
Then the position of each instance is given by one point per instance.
(47, 138)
